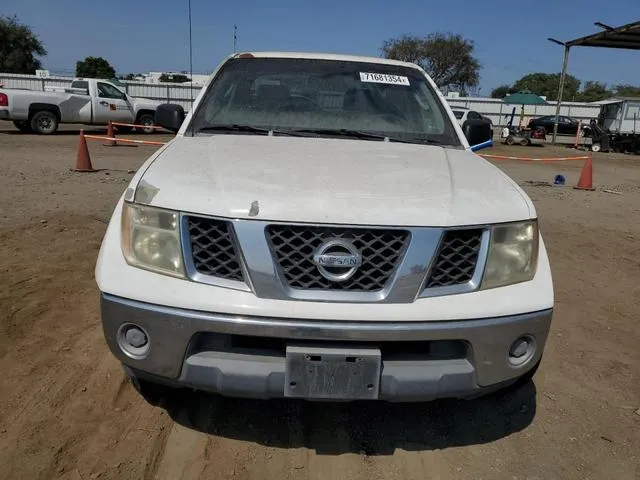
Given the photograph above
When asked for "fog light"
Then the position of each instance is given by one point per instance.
(518, 349)
(133, 340)
(522, 350)
(136, 337)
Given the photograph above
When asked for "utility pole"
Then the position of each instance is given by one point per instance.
(190, 61)
(235, 37)
(565, 61)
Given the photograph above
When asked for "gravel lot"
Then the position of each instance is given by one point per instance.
(66, 410)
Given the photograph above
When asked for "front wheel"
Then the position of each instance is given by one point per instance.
(528, 375)
(153, 393)
(595, 147)
(146, 120)
(44, 122)
(522, 380)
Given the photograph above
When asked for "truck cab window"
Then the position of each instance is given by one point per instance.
(81, 84)
(109, 91)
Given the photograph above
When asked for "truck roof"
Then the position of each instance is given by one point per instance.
(327, 56)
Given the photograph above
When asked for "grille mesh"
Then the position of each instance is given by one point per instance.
(456, 258)
(293, 248)
(213, 248)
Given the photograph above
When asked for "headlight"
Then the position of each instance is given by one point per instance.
(151, 239)
(513, 254)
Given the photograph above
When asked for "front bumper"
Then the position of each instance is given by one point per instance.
(178, 355)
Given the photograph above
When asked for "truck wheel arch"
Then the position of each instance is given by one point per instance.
(38, 107)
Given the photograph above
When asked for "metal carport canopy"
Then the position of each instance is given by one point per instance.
(624, 37)
(627, 36)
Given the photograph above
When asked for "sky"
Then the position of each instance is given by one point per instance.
(510, 38)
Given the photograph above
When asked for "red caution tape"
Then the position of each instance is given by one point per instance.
(125, 140)
(134, 125)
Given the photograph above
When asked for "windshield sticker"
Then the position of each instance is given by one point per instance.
(384, 78)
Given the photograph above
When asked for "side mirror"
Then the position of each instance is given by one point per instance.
(169, 116)
(477, 131)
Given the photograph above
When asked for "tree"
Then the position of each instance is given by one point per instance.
(446, 57)
(593, 91)
(502, 91)
(173, 78)
(626, 91)
(546, 85)
(94, 67)
(19, 47)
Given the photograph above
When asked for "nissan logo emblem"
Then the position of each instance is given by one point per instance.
(337, 260)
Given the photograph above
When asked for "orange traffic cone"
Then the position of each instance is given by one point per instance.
(585, 182)
(83, 160)
(111, 134)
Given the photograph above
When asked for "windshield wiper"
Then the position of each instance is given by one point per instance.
(251, 129)
(346, 132)
(315, 132)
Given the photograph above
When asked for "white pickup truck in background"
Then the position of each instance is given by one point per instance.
(88, 101)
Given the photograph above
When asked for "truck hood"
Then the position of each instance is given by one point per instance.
(142, 103)
(320, 180)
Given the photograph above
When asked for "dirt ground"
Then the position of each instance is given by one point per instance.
(67, 412)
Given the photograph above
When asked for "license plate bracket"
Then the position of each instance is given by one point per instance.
(332, 372)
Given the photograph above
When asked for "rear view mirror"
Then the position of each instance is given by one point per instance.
(477, 131)
(169, 116)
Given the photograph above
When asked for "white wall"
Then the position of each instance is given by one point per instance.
(497, 111)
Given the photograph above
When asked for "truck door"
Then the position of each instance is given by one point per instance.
(111, 105)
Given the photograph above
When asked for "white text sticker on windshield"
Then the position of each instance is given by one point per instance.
(384, 78)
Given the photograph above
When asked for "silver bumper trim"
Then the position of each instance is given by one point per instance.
(327, 329)
(172, 329)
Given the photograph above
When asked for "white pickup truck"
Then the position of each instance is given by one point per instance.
(319, 229)
(88, 101)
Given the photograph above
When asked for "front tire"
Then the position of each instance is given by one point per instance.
(153, 393)
(147, 120)
(44, 122)
(595, 147)
(526, 378)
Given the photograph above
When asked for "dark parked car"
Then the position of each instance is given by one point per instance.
(463, 114)
(566, 125)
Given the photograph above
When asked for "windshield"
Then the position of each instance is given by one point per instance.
(324, 97)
